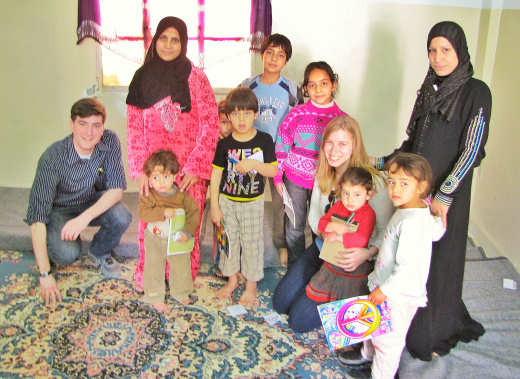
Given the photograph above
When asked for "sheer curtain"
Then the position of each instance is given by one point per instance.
(261, 22)
(89, 25)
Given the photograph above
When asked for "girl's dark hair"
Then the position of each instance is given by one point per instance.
(161, 157)
(415, 166)
(357, 176)
(242, 99)
(323, 66)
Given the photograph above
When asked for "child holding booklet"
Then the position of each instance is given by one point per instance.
(163, 203)
(237, 188)
(332, 283)
(402, 265)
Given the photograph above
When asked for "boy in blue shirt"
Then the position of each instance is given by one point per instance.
(276, 95)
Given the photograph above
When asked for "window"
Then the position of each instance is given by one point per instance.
(218, 32)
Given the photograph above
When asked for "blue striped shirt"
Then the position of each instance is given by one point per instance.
(63, 179)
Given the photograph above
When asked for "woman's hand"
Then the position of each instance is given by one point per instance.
(352, 258)
(440, 210)
(279, 188)
(143, 183)
(188, 180)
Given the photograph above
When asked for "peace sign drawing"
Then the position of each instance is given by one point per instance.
(353, 320)
(358, 319)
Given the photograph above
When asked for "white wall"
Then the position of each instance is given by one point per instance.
(378, 48)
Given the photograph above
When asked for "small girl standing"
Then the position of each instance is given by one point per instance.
(298, 146)
(403, 262)
(332, 283)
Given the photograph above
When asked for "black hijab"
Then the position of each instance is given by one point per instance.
(157, 79)
(445, 99)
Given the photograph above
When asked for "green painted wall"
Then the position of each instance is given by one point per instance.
(378, 48)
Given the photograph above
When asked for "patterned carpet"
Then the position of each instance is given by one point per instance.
(101, 330)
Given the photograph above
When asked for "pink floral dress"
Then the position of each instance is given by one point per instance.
(191, 136)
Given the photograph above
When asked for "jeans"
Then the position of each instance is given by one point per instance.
(290, 297)
(113, 223)
(295, 234)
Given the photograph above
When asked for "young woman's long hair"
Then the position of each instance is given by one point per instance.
(326, 174)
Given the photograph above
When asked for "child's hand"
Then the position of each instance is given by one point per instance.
(279, 188)
(246, 165)
(337, 228)
(169, 212)
(352, 227)
(377, 297)
(183, 237)
(216, 215)
(332, 237)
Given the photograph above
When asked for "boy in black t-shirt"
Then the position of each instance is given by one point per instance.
(242, 159)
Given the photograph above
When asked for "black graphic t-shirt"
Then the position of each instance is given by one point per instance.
(243, 187)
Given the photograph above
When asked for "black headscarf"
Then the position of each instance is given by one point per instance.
(157, 79)
(445, 99)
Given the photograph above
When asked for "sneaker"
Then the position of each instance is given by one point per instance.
(108, 266)
(352, 358)
(363, 373)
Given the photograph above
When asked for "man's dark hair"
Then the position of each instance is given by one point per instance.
(277, 40)
(88, 107)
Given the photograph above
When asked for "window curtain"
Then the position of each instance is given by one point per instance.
(261, 22)
(89, 20)
(89, 25)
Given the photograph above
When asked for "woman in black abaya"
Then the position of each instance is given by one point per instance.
(449, 127)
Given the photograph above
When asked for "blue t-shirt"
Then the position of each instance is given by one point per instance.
(274, 102)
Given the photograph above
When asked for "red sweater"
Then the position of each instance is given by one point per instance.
(365, 216)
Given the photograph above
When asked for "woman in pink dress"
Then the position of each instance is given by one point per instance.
(171, 105)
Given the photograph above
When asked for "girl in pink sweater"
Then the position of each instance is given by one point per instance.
(298, 144)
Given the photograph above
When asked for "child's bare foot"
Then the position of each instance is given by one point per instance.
(241, 277)
(161, 307)
(218, 273)
(284, 256)
(249, 295)
(184, 300)
(137, 287)
(226, 291)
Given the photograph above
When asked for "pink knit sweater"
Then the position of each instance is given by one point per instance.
(299, 140)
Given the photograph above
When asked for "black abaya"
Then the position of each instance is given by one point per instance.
(453, 149)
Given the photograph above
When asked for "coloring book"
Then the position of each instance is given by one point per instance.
(353, 320)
